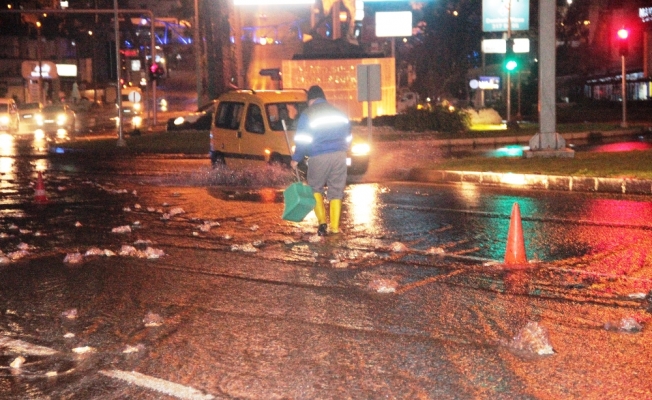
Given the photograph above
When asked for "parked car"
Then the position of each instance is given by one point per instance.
(28, 113)
(196, 120)
(9, 119)
(56, 117)
(248, 124)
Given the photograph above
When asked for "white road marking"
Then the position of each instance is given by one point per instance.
(160, 385)
(19, 346)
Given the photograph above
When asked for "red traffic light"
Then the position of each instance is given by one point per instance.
(156, 71)
(623, 47)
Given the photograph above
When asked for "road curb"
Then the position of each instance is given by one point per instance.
(536, 181)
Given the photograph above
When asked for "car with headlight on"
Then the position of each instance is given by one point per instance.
(9, 119)
(252, 125)
(56, 119)
(132, 101)
(197, 120)
(28, 114)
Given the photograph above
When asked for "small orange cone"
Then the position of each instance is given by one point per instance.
(515, 253)
(39, 193)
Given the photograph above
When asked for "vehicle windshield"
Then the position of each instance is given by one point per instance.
(277, 112)
(29, 106)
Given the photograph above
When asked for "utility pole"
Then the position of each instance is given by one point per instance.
(121, 140)
(547, 143)
(41, 99)
(198, 47)
(509, 73)
(623, 50)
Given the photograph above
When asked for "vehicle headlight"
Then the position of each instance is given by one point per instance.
(137, 107)
(360, 149)
(137, 121)
(4, 119)
(179, 120)
(39, 119)
(61, 119)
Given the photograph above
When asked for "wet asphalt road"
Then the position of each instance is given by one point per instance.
(230, 301)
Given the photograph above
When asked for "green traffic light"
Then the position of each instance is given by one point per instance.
(511, 65)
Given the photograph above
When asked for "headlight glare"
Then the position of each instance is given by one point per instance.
(360, 149)
(61, 119)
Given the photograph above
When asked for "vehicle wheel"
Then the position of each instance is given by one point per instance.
(217, 159)
(359, 168)
(277, 159)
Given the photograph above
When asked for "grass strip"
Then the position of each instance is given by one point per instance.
(630, 164)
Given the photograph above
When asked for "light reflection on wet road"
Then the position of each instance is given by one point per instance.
(254, 307)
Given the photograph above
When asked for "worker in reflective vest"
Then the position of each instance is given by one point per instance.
(324, 135)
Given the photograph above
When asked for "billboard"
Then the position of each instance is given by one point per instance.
(645, 14)
(495, 12)
(394, 24)
(499, 46)
(339, 80)
(489, 82)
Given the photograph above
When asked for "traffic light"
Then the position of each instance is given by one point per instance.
(511, 63)
(156, 71)
(623, 42)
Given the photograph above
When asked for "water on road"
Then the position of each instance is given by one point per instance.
(158, 278)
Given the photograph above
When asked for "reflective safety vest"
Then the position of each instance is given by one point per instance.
(321, 129)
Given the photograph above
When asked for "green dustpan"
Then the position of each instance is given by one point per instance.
(298, 197)
(299, 201)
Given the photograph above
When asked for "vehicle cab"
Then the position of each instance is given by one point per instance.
(9, 119)
(132, 105)
(250, 125)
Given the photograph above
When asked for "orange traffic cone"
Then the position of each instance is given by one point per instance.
(39, 193)
(515, 253)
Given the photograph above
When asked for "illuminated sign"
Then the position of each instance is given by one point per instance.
(339, 80)
(394, 24)
(135, 65)
(129, 52)
(499, 46)
(32, 70)
(645, 13)
(495, 15)
(489, 82)
(69, 70)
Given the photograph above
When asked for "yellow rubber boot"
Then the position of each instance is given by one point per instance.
(320, 213)
(335, 211)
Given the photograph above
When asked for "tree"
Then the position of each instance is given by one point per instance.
(450, 47)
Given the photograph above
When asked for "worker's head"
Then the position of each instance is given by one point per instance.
(315, 92)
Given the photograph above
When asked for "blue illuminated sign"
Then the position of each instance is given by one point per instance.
(495, 12)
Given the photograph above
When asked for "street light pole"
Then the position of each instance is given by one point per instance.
(197, 44)
(40, 62)
(509, 73)
(623, 90)
(121, 140)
